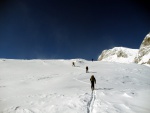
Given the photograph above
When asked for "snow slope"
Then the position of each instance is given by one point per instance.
(54, 86)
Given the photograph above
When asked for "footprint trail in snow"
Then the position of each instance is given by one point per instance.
(90, 105)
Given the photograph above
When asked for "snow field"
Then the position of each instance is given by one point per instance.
(55, 86)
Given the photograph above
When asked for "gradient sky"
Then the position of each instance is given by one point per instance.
(67, 29)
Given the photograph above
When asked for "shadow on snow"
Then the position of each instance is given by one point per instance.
(104, 88)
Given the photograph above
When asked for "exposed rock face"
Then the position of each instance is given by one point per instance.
(143, 56)
(118, 54)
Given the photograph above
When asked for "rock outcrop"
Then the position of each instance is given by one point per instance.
(143, 56)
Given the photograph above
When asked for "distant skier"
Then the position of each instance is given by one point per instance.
(93, 81)
(73, 64)
(87, 69)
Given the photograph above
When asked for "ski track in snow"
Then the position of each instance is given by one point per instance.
(90, 105)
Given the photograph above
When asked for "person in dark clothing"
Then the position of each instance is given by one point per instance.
(87, 69)
(92, 59)
(93, 81)
(73, 64)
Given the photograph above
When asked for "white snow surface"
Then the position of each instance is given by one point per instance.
(111, 55)
(145, 58)
(55, 86)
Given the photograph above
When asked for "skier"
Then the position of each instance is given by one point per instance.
(93, 80)
(87, 69)
(73, 64)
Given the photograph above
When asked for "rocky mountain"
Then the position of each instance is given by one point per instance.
(143, 56)
(118, 54)
(127, 55)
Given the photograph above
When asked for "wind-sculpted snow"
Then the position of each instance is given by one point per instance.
(55, 86)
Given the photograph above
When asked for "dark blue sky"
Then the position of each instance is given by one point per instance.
(66, 29)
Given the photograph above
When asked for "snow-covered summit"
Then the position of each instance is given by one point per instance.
(127, 55)
(118, 54)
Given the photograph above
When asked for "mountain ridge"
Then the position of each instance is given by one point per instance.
(128, 55)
